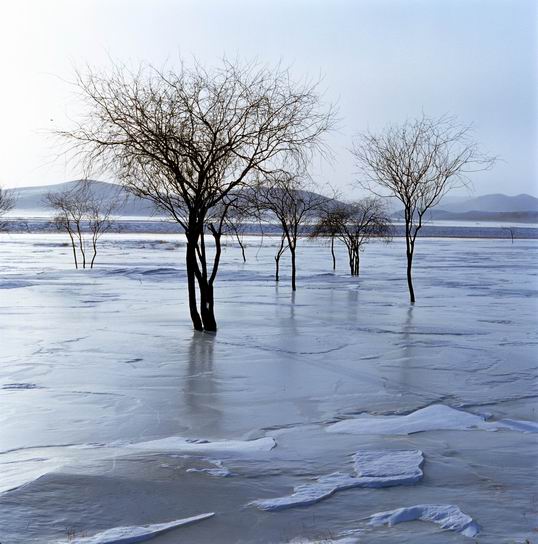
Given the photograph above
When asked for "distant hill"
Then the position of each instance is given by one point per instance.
(493, 203)
(494, 207)
(31, 200)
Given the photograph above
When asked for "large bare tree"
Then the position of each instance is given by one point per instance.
(7, 202)
(187, 139)
(290, 199)
(355, 224)
(418, 162)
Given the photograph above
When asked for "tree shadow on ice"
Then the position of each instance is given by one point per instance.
(200, 387)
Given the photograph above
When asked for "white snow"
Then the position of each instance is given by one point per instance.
(435, 417)
(130, 535)
(373, 468)
(218, 470)
(177, 443)
(447, 516)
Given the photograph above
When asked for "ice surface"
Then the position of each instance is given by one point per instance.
(130, 535)
(447, 516)
(112, 361)
(374, 469)
(436, 417)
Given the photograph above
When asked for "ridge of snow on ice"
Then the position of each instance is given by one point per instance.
(436, 417)
(374, 469)
(173, 443)
(447, 516)
(132, 534)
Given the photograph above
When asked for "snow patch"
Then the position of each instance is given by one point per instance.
(176, 443)
(447, 516)
(130, 535)
(374, 469)
(218, 470)
(436, 417)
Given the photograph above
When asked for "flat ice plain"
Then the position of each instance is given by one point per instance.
(114, 414)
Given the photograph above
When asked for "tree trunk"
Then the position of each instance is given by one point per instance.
(241, 245)
(207, 306)
(94, 242)
(191, 283)
(280, 251)
(293, 269)
(409, 276)
(74, 249)
(353, 261)
(410, 247)
(81, 245)
(332, 253)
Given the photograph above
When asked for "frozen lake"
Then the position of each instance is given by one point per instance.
(103, 386)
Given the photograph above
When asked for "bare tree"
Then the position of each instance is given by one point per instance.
(355, 225)
(328, 225)
(289, 198)
(7, 202)
(511, 232)
(84, 215)
(187, 139)
(236, 221)
(418, 162)
(99, 212)
(68, 217)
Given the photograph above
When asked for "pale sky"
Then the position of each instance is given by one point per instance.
(382, 61)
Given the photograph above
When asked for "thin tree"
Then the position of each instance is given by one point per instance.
(7, 202)
(328, 225)
(187, 139)
(290, 200)
(99, 215)
(418, 162)
(68, 217)
(84, 216)
(356, 224)
(236, 221)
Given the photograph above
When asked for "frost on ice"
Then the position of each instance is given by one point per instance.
(447, 516)
(130, 535)
(436, 417)
(373, 469)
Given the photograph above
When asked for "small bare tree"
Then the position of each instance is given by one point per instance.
(289, 198)
(511, 232)
(418, 162)
(85, 217)
(187, 139)
(328, 225)
(355, 225)
(7, 202)
(236, 221)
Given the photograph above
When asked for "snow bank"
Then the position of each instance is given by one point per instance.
(436, 417)
(373, 468)
(177, 443)
(129, 535)
(447, 516)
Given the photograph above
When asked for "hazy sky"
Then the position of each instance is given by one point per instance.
(382, 61)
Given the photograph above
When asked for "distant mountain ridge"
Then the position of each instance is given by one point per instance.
(494, 203)
(492, 207)
(31, 200)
